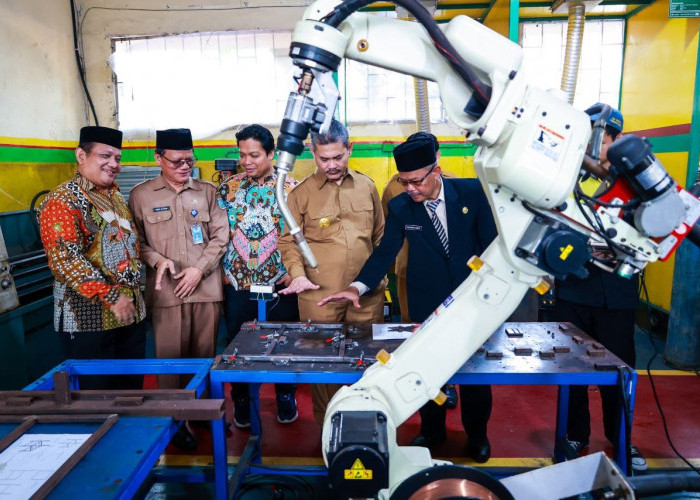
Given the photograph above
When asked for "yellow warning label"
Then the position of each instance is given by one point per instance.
(565, 252)
(358, 474)
(357, 471)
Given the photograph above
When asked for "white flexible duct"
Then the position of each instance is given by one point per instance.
(574, 40)
(420, 87)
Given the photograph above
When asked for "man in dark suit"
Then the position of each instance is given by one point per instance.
(446, 221)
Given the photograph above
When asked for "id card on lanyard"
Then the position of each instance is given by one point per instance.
(197, 235)
(196, 229)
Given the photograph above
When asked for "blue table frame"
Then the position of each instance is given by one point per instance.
(123, 459)
(591, 376)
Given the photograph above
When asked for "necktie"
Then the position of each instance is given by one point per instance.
(432, 206)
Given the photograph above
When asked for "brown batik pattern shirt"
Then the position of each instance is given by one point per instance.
(93, 253)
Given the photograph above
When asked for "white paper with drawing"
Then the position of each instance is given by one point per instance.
(392, 331)
(28, 462)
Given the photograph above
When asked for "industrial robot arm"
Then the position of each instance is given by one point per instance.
(532, 145)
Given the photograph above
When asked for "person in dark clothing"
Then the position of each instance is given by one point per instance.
(602, 305)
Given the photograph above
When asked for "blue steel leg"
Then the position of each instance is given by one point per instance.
(255, 423)
(562, 422)
(262, 310)
(218, 435)
(623, 440)
(252, 451)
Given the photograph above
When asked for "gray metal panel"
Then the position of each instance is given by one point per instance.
(131, 175)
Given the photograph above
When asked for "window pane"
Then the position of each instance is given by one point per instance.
(600, 70)
(213, 81)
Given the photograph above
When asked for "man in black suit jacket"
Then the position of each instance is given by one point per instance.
(446, 221)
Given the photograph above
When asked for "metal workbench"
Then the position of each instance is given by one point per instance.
(122, 459)
(517, 354)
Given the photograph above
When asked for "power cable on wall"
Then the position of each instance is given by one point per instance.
(81, 69)
(643, 285)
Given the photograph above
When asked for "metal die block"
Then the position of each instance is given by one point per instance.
(596, 353)
(605, 367)
(514, 332)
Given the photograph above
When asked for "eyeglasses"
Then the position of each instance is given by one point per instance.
(191, 162)
(405, 182)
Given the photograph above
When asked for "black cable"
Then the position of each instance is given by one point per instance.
(598, 228)
(594, 258)
(663, 417)
(482, 92)
(276, 302)
(533, 210)
(300, 487)
(35, 212)
(630, 204)
(653, 386)
(662, 484)
(78, 60)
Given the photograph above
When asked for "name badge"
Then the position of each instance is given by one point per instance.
(161, 209)
(411, 227)
(197, 236)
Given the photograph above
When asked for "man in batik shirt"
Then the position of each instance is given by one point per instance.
(252, 257)
(93, 253)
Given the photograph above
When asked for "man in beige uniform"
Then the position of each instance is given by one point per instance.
(340, 214)
(183, 235)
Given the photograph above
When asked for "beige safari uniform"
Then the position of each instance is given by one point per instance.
(164, 220)
(342, 225)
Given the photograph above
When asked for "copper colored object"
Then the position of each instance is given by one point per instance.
(453, 488)
(180, 404)
(559, 349)
(596, 353)
(307, 78)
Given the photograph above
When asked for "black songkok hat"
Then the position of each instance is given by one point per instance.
(103, 135)
(179, 139)
(414, 154)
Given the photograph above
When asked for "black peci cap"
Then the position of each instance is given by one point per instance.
(103, 135)
(179, 139)
(425, 135)
(414, 154)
